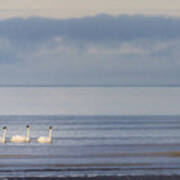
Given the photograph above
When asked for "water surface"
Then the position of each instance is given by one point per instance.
(96, 131)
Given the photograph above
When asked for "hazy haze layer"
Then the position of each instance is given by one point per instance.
(81, 8)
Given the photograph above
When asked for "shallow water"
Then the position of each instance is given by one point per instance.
(103, 144)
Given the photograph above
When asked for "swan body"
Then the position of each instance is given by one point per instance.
(18, 139)
(46, 139)
(22, 139)
(43, 139)
(3, 139)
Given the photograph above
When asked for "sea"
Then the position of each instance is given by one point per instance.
(97, 131)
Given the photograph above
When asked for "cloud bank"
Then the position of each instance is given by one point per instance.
(99, 50)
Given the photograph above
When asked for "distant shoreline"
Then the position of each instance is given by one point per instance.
(148, 177)
(88, 86)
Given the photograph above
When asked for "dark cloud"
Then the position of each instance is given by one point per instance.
(100, 28)
(99, 50)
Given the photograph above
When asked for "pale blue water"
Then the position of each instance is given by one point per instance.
(103, 144)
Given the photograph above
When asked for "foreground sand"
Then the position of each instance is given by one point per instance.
(101, 178)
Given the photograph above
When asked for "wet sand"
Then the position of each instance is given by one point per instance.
(112, 155)
(99, 178)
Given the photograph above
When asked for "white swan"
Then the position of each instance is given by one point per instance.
(22, 139)
(3, 139)
(46, 139)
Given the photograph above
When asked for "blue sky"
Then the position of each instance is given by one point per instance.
(104, 46)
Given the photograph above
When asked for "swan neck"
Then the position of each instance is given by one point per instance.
(50, 135)
(4, 136)
(28, 138)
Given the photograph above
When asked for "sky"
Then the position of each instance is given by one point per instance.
(81, 8)
(104, 42)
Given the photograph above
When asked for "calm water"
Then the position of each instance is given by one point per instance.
(127, 131)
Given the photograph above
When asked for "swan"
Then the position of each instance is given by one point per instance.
(46, 139)
(22, 139)
(3, 139)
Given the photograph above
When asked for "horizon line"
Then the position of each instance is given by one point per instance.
(88, 85)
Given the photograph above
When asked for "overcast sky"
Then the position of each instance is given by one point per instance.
(80, 8)
(104, 42)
